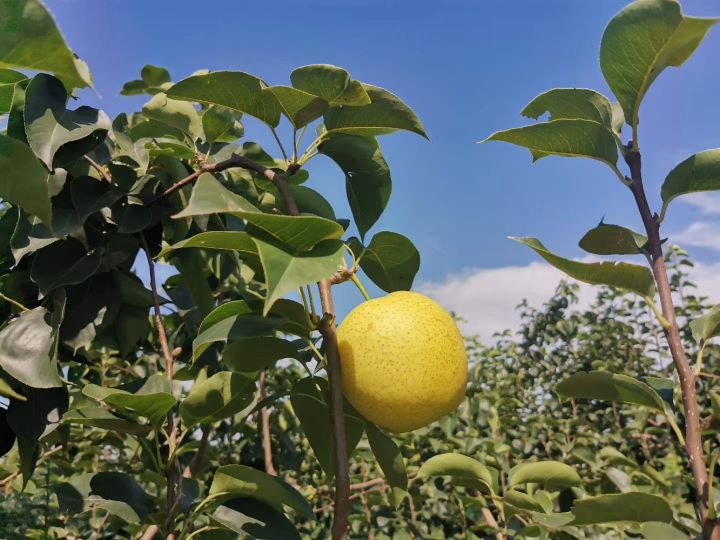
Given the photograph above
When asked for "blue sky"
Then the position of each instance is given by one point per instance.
(467, 68)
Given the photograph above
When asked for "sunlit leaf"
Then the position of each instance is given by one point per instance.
(610, 387)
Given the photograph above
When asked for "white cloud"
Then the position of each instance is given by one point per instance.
(486, 298)
(702, 234)
(708, 203)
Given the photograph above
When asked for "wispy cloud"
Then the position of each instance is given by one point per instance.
(703, 234)
(708, 203)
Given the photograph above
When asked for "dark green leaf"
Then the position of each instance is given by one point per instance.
(40, 414)
(300, 107)
(178, 114)
(98, 417)
(699, 172)
(522, 501)
(9, 79)
(222, 395)
(256, 353)
(390, 460)
(367, 176)
(391, 260)
(222, 124)
(210, 197)
(49, 125)
(253, 519)
(606, 239)
(234, 327)
(706, 327)
(610, 387)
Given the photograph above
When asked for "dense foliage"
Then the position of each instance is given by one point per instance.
(209, 406)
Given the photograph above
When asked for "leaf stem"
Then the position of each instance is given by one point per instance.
(282, 148)
(699, 359)
(14, 302)
(356, 280)
(653, 306)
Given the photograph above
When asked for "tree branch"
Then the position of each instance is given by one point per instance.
(265, 426)
(686, 377)
(173, 492)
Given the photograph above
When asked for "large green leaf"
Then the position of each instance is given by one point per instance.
(153, 400)
(30, 40)
(656, 530)
(390, 261)
(222, 124)
(63, 263)
(286, 271)
(610, 387)
(707, 326)
(39, 414)
(571, 103)
(386, 113)
(552, 474)
(234, 327)
(9, 80)
(367, 176)
(253, 519)
(641, 41)
(522, 501)
(218, 397)
(626, 276)
(298, 233)
(632, 506)
(114, 492)
(178, 114)
(98, 417)
(50, 125)
(391, 461)
(126, 146)
(330, 83)
(699, 172)
(28, 348)
(300, 107)
(232, 481)
(23, 179)
(461, 469)
(256, 353)
(239, 241)
(210, 197)
(606, 239)
(564, 137)
(232, 89)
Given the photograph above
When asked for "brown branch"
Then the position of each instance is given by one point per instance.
(367, 484)
(173, 480)
(337, 415)
(150, 533)
(265, 425)
(686, 377)
(99, 168)
(235, 161)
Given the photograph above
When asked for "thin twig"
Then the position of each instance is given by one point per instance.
(265, 426)
(14, 302)
(95, 165)
(173, 492)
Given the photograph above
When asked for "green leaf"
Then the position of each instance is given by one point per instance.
(655, 530)
(461, 469)
(551, 474)
(153, 400)
(225, 311)
(125, 145)
(178, 114)
(50, 125)
(610, 387)
(606, 239)
(239, 241)
(298, 233)
(571, 103)
(28, 348)
(386, 113)
(391, 462)
(9, 80)
(23, 179)
(32, 41)
(210, 197)
(98, 417)
(232, 89)
(286, 271)
(641, 41)
(7, 435)
(222, 124)
(706, 327)
(234, 327)
(390, 261)
(218, 397)
(314, 414)
(7, 391)
(367, 176)
(322, 80)
(699, 172)
(234, 481)
(522, 501)
(626, 276)
(632, 506)
(564, 137)
(114, 492)
(40, 414)
(253, 519)
(63, 263)
(154, 76)
(300, 107)
(256, 353)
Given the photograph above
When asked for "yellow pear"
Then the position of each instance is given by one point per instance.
(403, 361)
